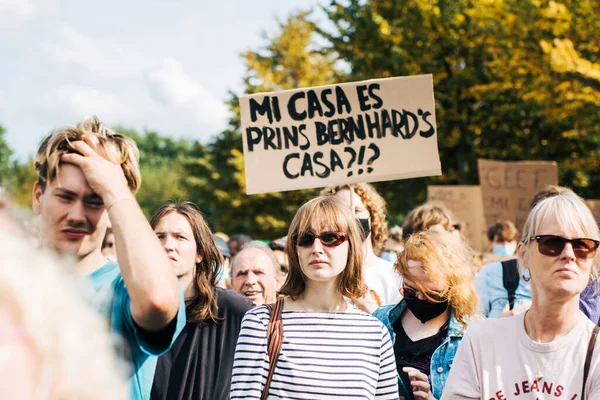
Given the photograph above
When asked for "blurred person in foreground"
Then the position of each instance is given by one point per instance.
(369, 209)
(43, 356)
(87, 174)
(329, 350)
(200, 362)
(439, 302)
(255, 273)
(546, 348)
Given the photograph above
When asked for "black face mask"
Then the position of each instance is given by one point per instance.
(365, 226)
(425, 310)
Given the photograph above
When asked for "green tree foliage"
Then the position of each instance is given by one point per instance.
(512, 78)
(288, 60)
(162, 161)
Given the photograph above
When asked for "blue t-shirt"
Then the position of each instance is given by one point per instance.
(493, 297)
(112, 301)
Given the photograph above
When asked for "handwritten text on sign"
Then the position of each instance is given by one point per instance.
(367, 131)
(508, 187)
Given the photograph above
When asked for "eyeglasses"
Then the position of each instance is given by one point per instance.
(552, 245)
(411, 293)
(329, 239)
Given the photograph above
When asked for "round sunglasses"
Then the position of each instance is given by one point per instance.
(329, 239)
(552, 246)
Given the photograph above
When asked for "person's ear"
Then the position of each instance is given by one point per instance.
(36, 201)
(523, 254)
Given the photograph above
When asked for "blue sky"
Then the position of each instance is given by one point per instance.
(165, 65)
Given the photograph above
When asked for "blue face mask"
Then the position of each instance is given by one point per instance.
(505, 249)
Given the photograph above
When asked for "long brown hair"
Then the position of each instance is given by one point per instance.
(320, 214)
(204, 303)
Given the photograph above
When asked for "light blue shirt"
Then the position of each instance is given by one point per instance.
(112, 301)
(493, 297)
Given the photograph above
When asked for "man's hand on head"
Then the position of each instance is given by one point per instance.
(101, 168)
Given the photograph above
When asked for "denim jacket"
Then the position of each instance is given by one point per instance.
(442, 357)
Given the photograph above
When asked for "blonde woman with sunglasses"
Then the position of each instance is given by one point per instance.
(329, 350)
(439, 301)
(549, 351)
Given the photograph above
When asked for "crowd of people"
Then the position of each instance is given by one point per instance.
(97, 302)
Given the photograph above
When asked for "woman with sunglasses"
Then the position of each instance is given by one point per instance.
(544, 352)
(329, 350)
(427, 325)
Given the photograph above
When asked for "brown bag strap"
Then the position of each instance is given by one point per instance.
(588, 358)
(274, 341)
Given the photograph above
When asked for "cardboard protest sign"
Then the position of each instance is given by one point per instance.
(594, 205)
(466, 204)
(507, 187)
(366, 131)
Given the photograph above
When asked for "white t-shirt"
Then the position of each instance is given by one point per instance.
(497, 360)
(381, 277)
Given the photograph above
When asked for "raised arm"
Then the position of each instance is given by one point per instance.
(146, 270)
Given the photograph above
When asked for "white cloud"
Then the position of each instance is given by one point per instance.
(99, 58)
(16, 14)
(80, 101)
(17, 8)
(173, 87)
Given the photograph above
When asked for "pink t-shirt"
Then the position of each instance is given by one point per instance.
(497, 360)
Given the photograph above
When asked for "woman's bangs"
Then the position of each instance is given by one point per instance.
(570, 214)
(322, 219)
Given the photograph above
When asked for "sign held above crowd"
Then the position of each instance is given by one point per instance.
(466, 204)
(376, 130)
(508, 187)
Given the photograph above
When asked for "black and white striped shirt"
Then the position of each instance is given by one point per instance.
(324, 356)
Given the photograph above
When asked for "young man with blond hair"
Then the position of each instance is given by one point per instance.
(87, 174)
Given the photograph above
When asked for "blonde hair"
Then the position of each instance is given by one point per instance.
(59, 142)
(444, 258)
(425, 216)
(376, 207)
(325, 213)
(75, 351)
(571, 213)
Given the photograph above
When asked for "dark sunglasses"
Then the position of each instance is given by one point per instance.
(411, 293)
(329, 239)
(552, 245)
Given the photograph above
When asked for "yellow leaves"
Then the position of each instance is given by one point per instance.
(564, 58)
(384, 28)
(581, 179)
(269, 223)
(559, 18)
(571, 134)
